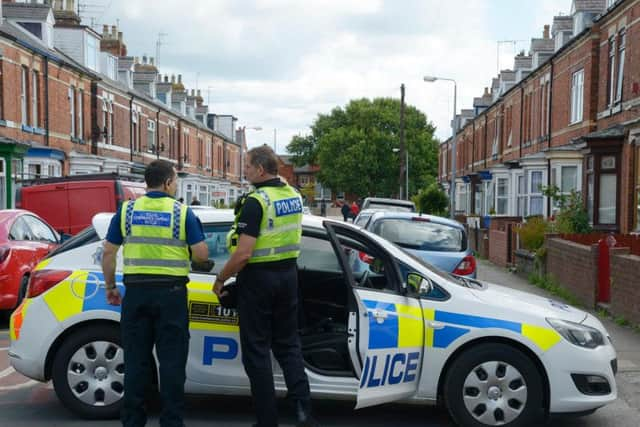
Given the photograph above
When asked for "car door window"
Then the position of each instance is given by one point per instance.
(39, 230)
(215, 236)
(20, 230)
(371, 267)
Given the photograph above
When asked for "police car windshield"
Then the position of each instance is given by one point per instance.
(86, 236)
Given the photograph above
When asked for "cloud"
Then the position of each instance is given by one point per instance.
(280, 63)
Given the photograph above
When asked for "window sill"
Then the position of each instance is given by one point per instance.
(3, 123)
(27, 128)
(575, 122)
(39, 131)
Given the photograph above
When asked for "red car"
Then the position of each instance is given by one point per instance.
(24, 240)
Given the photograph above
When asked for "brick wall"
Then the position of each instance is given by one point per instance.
(625, 289)
(500, 240)
(479, 241)
(575, 267)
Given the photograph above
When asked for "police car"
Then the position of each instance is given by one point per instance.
(377, 325)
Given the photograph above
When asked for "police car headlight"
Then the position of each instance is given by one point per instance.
(577, 334)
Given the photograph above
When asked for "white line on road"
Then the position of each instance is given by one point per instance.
(18, 386)
(7, 372)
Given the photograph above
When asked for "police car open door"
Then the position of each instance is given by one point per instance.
(386, 329)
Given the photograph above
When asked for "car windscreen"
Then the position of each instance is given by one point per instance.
(421, 235)
(86, 236)
(390, 208)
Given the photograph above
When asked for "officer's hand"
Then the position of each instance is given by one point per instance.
(217, 288)
(113, 296)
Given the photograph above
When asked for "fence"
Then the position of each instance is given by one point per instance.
(631, 241)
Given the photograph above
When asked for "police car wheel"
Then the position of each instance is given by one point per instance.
(88, 372)
(493, 384)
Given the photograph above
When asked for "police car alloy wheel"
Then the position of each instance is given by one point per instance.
(88, 372)
(494, 385)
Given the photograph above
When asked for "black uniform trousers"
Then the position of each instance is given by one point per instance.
(154, 316)
(268, 312)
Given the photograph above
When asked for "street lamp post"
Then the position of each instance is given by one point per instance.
(406, 169)
(454, 137)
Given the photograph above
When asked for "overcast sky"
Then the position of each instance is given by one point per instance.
(277, 64)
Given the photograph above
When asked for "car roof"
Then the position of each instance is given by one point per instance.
(101, 221)
(408, 215)
(389, 201)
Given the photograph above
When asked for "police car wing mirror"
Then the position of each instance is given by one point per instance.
(419, 284)
(203, 266)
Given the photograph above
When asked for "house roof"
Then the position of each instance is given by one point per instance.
(31, 11)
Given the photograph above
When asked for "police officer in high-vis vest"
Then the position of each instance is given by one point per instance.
(265, 243)
(158, 234)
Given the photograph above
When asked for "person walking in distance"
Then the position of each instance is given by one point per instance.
(157, 232)
(265, 243)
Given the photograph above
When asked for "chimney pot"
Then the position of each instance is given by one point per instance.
(105, 29)
(151, 60)
(486, 91)
(180, 78)
(114, 30)
(144, 59)
(199, 92)
(166, 79)
(136, 60)
(120, 35)
(193, 92)
(173, 78)
(545, 33)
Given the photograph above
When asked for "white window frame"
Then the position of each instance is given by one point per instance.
(537, 193)
(504, 196)
(577, 96)
(520, 191)
(34, 99)
(111, 117)
(71, 95)
(556, 180)
(208, 154)
(622, 36)
(23, 96)
(151, 136)
(80, 114)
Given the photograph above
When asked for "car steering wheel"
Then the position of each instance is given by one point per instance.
(364, 279)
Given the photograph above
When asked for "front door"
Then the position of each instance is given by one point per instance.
(385, 324)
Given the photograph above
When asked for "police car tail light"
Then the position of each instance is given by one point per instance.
(466, 267)
(4, 253)
(43, 280)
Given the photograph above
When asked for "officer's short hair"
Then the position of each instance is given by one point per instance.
(158, 172)
(265, 157)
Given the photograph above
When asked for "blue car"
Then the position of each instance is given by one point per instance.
(439, 241)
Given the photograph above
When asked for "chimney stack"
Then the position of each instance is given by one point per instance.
(545, 33)
(105, 30)
(180, 78)
(166, 79)
(173, 78)
(114, 31)
(144, 59)
(152, 60)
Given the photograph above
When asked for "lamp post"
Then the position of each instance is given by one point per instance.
(454, 136)
(406, 169)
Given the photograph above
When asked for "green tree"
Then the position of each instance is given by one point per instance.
(432, 200)
(354, 147)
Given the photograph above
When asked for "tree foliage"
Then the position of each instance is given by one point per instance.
(354, 147)
(432, 200)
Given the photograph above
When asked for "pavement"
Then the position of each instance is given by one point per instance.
(625, 340)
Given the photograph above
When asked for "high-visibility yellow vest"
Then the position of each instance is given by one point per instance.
(154, 232)
(281, 226)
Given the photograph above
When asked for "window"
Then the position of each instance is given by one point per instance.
(611, 71)
(151, 136)
(34, 99)
(521, 196)
(92, 53)
(577, 89)
(490, 198)
(215, 236)
(80, 114)
(39, 230)
(461, 196)
(208, 154)
(72, 110)
(478, 199)
(608, 190)
(24, 83)
(110, 127)
(105, 112)
(621, 46)
(566, 179)
(421, 235)
(502, 196)
(535, 194)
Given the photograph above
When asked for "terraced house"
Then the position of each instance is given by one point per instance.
(568, 115)
(73, 102)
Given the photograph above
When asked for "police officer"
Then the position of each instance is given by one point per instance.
(158, 233)
(265, 242)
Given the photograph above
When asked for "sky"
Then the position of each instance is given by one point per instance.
(277, 64)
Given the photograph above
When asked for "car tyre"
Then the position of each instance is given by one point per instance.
(494, 384)
(88, 372)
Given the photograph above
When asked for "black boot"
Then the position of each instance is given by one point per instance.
(303, 415)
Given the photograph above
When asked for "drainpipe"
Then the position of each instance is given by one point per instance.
(94, 118)
(46, 101)
(179, 131)
(521, 117)
(131, 129)
(549, 122)
(473, 145)
(158, 134)
(485, 141)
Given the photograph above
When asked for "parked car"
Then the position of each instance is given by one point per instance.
(363, 217)
(399, 330)
(69, 203)
(25, 239)
(436, 240)
(385, 204)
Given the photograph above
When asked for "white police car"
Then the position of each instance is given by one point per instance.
(395, 330)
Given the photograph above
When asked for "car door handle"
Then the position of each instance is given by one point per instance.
(435, 325)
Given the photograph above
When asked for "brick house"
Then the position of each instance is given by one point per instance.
(81, 105)
(566, 115)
